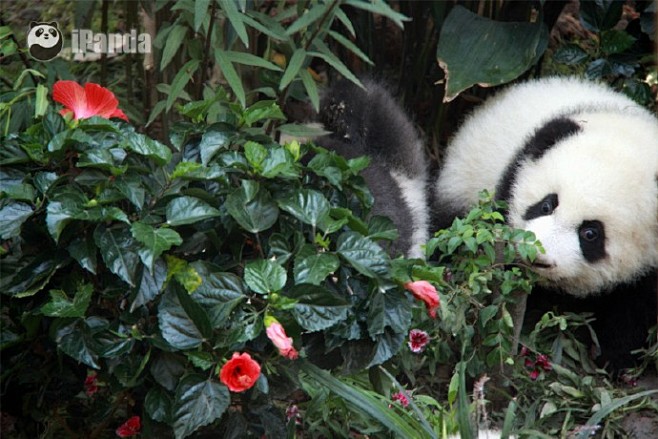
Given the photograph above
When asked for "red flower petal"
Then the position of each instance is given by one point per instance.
(240, 372)
(92, 100)
(72, 96)
(129, 428)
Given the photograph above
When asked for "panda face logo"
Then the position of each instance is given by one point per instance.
(44, 40)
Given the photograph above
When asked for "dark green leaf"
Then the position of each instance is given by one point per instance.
(188, 210)
(150, 285)
(388, 309)
(156, 241)
(600, 15)
(294, 65)
(176, 326)
(570, 54)
(158, 404)
(214, 139)
(76, 340)
(363, 254)
(200, 13)
(174, 41)
(198, 402)
(12, 217)
(148, 147)
(252, 207)
(498, 52)
(34, 276)
(231, 75)
(235, 17)
(317, 308)
(262, 110)
(308, 17)
(84, 251)
(118, 252)
(616, 41)
(264, 276)
(315, 268)
(307, 205)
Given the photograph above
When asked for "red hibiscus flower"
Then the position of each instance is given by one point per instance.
(91, 384)
(425, 291)
(277, 334)
(418, 340)
(240, 372)
(92, 100)
(130, 428)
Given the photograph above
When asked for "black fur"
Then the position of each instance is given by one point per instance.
(370, 122)
(591, 235)
(544, 207)
(547, 136)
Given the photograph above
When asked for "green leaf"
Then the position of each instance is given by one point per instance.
(177, 327)
(148, 147)
(118, 252)
(61, 306)
(183, 272)
(363, 254)
(363, 402)
(34, 276)
(255, 153)
(234, 16)
(294, 65)
(311, 90)
(150, 284)
(200, 13)
(231, 75)
(156, 241)
(349, 45)
(84, 251)
(307, 205)
(12, 217)
(327, 55)
(380, 7)
(198, 402)
(600, 15)
(388, 310)
(188, 210)
(174, 41)
(217, 137)
(76, 340)
(264, 276)
(252, 60)
(264, 109)
(181, 80)
(498, 52)
(252, 207)
(616, 41)
(308, 17)
(317, 308)
(158, 404)
(570, 54)
(315, 268)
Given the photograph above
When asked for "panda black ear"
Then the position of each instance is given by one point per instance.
(53, 24)
(33, 23)
(548, 135)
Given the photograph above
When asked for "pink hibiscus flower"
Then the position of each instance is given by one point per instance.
(92, 100)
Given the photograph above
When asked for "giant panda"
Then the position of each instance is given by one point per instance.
(577, 164)
(369, 121)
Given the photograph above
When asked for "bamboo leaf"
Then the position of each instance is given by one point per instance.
(294, 64)
(234, 16)
(173, 43)
(231, 76)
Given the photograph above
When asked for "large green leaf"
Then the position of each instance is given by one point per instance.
(363, 254)
(77, 341)
(198, 402)
(174, 41)
(12, 217)
(264, 276)
(307, 205)
(317, 308)
(188, 210)
(118, 252)
(155, 241)
(84, 251)
(388, 309)
(476, 50)
(315, 268)
(176, 326)
(148, 147)
(252, 207)
(31, 278)
(150, 284)
(218, 136)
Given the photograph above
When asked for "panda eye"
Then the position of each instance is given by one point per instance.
(589, 234)
(52, 32)
(39, 32)
(546, 206)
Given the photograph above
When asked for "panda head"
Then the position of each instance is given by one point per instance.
(44, 40)
(587, 186)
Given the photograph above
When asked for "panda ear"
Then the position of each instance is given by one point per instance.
(53, 24)
(33, 24)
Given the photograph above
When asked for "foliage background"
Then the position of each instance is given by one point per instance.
(146, 253)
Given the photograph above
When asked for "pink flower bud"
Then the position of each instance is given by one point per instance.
(280, 339)
(425, 291)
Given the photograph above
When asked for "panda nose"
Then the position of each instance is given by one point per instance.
(542, 262)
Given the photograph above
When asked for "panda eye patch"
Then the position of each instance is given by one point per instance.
(39, 32)
(544, 207)
(591, 235)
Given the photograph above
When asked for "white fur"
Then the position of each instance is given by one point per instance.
(607, 172)
(413, 193)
